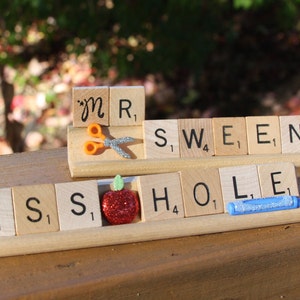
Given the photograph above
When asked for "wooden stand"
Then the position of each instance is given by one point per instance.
(255, 263)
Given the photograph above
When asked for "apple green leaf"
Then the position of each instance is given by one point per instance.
(118, 183)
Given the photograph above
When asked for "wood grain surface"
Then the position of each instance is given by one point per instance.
(248, 264)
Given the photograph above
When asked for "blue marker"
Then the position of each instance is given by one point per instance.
(253, 206)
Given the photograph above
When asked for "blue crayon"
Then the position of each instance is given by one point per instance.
(253, 206)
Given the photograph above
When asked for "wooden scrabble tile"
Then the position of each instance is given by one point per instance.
(7, 221)
(201, 190)
(127, 105)
(78, 204)
(90, 105)
(161, 138)
(105, 185)
(78, 136)
(239, 182)
(196, 137)
(290, 134)
(230, 137)
(263, 135)
(160, 197)
(278, 179)
(35, 209)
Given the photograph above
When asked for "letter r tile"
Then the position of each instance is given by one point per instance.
(160, 197)
(90, 105)
(239, 183)
(161, 139)
(35, 209)
(78, 204)
(127, 105)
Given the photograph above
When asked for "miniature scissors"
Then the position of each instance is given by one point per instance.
(91, 148)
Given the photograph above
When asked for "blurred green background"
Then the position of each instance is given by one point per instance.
(196, 58)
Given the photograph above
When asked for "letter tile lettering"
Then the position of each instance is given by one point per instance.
(278, 179)
(35, 209)
(196, 137)
(201, 190)
(290, 134)
(90, 105)
(78, 204)
(230, 137)
(239, 183)
(161, 138)
(7, 221)
(263, 135)
(160, 197)
(127, 105)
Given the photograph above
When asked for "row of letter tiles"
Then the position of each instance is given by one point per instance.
(195, 192)
(108, 106)
(221, 136)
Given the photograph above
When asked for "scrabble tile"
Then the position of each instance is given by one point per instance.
(263, 135)
(35, 209)
(127, 105)
(90, 105)
(7, 221)
(161, 138)
(278, 179)
(105, 185)
(78, 204)
(78, 136)
(290, 134)
(201, 190)
(238, 183)
(160, 197)
(196, 137)
(230, 137)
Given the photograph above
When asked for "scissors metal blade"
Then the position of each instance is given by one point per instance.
(115, 142)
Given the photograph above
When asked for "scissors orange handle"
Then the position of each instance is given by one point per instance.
(91, 148)
(95, 130)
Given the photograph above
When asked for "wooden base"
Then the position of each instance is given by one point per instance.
(259, 263)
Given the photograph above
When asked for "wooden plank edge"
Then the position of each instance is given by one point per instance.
(155, 166)
(141, 232)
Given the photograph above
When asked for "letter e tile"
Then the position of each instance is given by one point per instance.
(202, 194)
(35, 209)
(78, 204)
(263, 135)
(278, 179)
(230, 136)
(160, 197)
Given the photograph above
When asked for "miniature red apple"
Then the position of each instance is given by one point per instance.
(120, 206)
